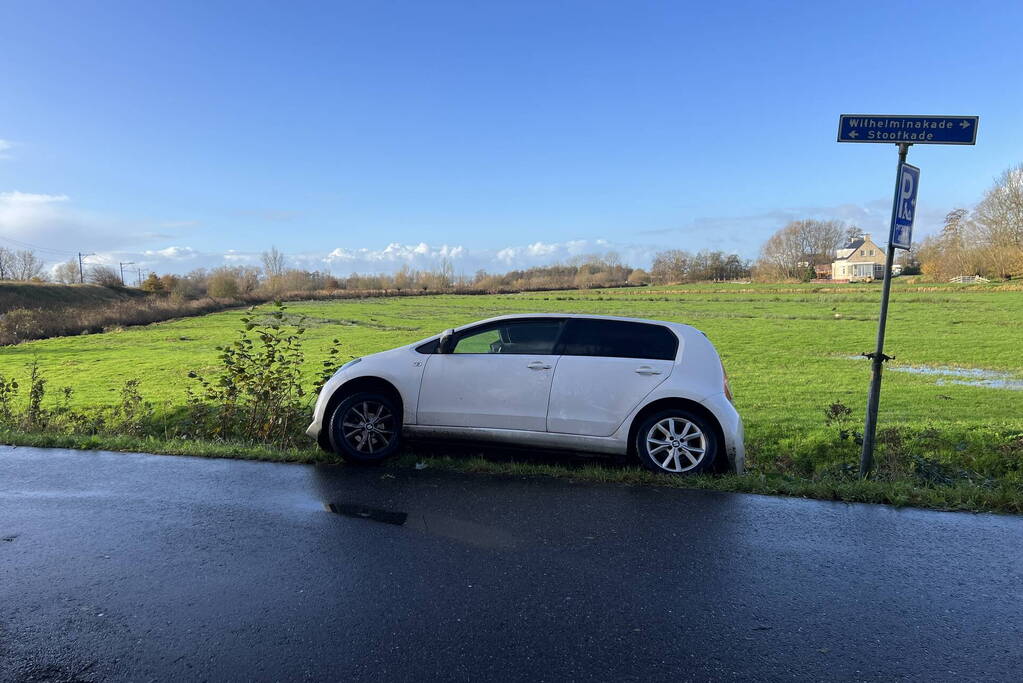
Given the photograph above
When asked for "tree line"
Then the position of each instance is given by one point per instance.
(275, 276)
(986, 241)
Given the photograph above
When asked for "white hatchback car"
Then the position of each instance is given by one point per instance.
(580, 382)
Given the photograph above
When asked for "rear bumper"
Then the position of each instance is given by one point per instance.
(731, 429)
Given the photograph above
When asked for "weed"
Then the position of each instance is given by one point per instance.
(34, 416)
(132, 414)
(8, 392)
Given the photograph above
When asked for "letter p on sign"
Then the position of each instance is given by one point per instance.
(905, 206)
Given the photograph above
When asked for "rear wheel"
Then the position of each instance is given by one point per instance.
(676, 441)
(365, 428)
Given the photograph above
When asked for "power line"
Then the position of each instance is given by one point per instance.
(26, 245)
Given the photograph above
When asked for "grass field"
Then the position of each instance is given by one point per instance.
(790, 351)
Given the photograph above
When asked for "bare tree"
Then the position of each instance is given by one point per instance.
(66, 273)
(798, 246)
(670, 266)
(25, 265)
(998, 221)
(273, 263)
(6, 263)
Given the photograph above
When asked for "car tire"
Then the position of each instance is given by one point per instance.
(365, 428)
(678, 442)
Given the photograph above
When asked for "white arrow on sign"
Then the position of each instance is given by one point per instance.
(854, 134)
(964, 124)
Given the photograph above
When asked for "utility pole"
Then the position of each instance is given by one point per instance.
(122, 265)
(81, 266)
(139, 270)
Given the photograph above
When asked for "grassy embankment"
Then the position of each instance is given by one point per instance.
(43, 295)
(790, 351)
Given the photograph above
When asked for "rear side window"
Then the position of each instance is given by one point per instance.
(618, 339)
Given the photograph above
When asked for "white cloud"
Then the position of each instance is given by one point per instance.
(394, 254)
(55, 224)
(423, 256)
(238, 258)
(5, 145)
(17, 198)
(38, 218)
(173, 253)
(389, 258)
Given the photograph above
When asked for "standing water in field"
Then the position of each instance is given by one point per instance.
(972, 377)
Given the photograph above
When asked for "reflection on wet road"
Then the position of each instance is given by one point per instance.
(129, 567)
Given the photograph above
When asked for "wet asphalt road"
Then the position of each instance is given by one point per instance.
(135, 567)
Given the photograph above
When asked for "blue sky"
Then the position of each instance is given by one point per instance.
(360, 136)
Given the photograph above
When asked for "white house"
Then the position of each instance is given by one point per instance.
(860, 259)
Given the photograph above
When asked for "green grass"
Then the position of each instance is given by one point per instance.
(789, 351)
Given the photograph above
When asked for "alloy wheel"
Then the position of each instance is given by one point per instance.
(676, 444)
(368, 427)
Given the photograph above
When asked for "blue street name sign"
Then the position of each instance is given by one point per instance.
(905, 206)
(916, 130)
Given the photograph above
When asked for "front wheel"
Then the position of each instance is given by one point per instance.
(677, 442)
(365, 428)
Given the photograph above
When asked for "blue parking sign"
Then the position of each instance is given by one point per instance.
(905, 206)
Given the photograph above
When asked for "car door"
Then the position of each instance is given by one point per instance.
(497, 376)
(606, 368)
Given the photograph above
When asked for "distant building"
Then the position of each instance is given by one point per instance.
(822, 271)
(859, 260)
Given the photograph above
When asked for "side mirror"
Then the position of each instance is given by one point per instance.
(447, 342)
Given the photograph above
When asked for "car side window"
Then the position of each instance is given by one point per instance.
(429, 347)
(618, 339)
(538, 338)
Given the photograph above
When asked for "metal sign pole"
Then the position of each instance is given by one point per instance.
(878, 358)
(905, 131)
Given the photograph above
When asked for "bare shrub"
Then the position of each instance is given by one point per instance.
(103, 275)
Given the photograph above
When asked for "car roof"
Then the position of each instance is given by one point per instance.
(678, 327)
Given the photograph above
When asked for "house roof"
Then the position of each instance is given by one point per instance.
(853, 245)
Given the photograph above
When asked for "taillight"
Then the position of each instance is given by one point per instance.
(728, 389)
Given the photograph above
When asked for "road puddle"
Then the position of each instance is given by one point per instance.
(465, 531)
(363, 512)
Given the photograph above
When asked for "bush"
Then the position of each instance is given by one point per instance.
(223, 286)
(257, 393)
(21, 324)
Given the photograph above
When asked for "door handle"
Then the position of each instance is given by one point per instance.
(647, 370)
(539, 365)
